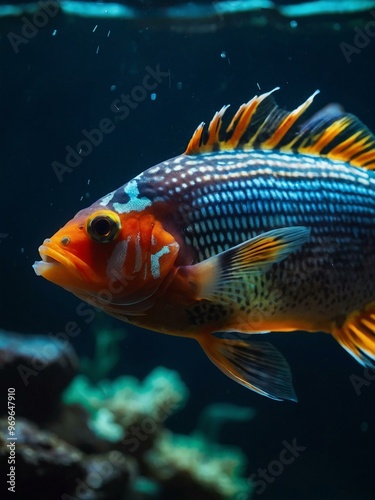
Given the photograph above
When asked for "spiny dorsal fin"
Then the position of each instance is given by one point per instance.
(261, 124)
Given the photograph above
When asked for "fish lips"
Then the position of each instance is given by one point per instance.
(64, 270)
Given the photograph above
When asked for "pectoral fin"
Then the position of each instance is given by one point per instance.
(255, 256)
(256, 365)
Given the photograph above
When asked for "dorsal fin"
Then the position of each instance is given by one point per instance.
(261, 124)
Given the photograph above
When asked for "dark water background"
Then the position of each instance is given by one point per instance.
(58, 85)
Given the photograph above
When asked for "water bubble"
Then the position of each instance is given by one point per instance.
(293, 24)
(153, 96)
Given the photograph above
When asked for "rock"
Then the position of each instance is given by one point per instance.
(39, 368)
(45, 465)
(47, 468)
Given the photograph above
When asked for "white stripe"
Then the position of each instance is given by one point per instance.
(155, 262)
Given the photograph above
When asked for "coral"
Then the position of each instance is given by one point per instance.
(191, 460)
(118, 404)
(130, 413)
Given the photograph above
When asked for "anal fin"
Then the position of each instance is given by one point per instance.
(259, 366)
(357, 335)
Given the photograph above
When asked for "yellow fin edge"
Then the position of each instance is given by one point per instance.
(261, 124)
(357, 335)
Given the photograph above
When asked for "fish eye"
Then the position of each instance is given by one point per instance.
(103, 226)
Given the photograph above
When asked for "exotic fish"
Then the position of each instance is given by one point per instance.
(265, 223)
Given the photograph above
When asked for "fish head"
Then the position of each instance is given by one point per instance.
(108, 258)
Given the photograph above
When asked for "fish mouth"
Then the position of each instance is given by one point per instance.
(57, 267)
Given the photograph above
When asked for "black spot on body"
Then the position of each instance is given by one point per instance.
(206, 312)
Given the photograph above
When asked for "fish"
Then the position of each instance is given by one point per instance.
(266, 223)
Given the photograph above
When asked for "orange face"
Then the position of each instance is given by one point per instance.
(110, 259)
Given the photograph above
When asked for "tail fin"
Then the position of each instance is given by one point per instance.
(256, 365)
(357, 335)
